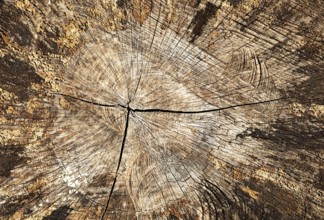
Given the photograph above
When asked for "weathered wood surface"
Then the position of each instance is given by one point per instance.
(166, 109)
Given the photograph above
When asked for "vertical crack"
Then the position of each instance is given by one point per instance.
(119, 162)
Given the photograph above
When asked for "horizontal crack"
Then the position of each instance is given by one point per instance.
(169, 110)
(207, 110)
(129, 109)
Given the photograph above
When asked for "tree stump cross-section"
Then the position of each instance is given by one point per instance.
(172, 109)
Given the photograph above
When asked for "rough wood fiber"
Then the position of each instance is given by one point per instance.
(171, 109)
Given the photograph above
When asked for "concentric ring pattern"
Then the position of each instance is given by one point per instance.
(166, 109)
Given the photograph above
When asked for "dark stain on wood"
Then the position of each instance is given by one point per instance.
(295, 133)
(282, 14)
(311, 51)
(10, 158)
(305, 94)
(12, 26)
(320, 180)
(60, 213)
(122, 200)
(201, 19)
(14, 204)
(253, 15)
(121, 3)
(180, 209)
(310, 90)
(298, 164)
(11, 207)
(235, 3)
(102, 180)
(272, 201)
(16, 76)
(49, 44)
(307, 30)
(84, 201)
(195, 3)
(28, 211)
(172, 217)
(2, 40)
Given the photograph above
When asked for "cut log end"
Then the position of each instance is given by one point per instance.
(161, 110)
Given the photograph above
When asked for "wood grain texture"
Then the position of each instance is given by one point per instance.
(171, 109)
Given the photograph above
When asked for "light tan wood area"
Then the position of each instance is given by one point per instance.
(168, 109)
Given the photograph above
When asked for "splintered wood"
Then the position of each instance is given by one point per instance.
(171, 109)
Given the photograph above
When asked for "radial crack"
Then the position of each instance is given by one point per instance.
(207, 110)
(90, 102)
(119, 161)
(170, 110)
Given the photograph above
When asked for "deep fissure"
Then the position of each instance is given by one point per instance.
(129, 110)
(119, 162)
(170, 110)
